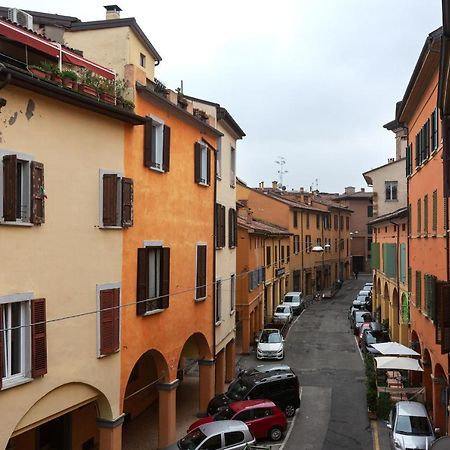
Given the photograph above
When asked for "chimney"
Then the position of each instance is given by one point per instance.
(302, 190)
(249, 216)
(390, 160)
(112, 12)
(363, 190)
(261, 184)
(349, 190)
(274, 184)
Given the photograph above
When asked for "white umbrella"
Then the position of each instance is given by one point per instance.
(399, 363)
(394, 348)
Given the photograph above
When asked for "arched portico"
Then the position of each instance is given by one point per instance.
(385, 305)
(440, 386)
(427, 379)
(394, 316)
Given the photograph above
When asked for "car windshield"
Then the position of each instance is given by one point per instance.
(224, 414)
(282, 309)
(289, 299)
(270, 337)
(238, 390)
(413, 426)
(192, 440)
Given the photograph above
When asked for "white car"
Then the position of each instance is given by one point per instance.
(270, 344)
(283, 314)
(295, 299)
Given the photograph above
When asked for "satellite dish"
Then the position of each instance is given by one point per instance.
(442, 443)
(283, 188)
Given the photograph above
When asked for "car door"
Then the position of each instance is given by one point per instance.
(262, 422)
(247, 416)
(212, 443)
(234, 440)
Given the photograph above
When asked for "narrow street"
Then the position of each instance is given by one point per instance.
(321, 349)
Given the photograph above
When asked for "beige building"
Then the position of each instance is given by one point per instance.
(60, 371)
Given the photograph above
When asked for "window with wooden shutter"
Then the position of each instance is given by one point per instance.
(37, 193)
(110, 182)
(418, 289)
(425, 214)
(295, 219)
(166, 148)
(200, 285)
(148, 142)
(220, 225)
(434, 225)
(127, 202)
(2, 370)
(109, 321)
(232, 227)
(38, 338)
(9, 187)
(165, 278)
(419, 216)
(218, 302)
(142, 281)
(197, 162)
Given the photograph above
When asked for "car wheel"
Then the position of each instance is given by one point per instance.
(275, 434)
(289, 410)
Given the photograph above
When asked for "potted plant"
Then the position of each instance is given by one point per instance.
(69, 79)
(200, 114)
(56, 74)
(106, 89)
(88, 83)
(43, 70)
(128, 104)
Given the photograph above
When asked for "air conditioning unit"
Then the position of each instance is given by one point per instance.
(20, 17)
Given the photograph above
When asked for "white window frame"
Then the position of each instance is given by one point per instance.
(157, 244)
(218, 302)
(158, 147)
(232, 293)
(25, 190)
(119, 199)
(25, 352)
(219, 157)
(204, 164)
(104, 287)
(200, 299)
(232, 166)
(390, 183)
(142, 59)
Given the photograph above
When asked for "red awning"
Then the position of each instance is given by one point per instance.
(52, 49)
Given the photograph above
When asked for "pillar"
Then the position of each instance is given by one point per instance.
(167, 431)
(230, 361)
(252, 327)
(220, 372)
(269, 302)
(206, 384)
(110, 433)
(245, 335)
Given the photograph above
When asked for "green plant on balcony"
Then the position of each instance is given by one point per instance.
(69, 78)
(128, 104)
(160, 87)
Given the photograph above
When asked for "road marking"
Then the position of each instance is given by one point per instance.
(359, 350)
(286, 438)
(376, 441)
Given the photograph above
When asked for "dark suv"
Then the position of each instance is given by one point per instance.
(280, 386)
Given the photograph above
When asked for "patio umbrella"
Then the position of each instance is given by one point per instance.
(399, 363)
(394, 348)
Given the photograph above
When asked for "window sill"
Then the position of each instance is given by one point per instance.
(157, 169)
(101, 355)
(110, 227)
(233, 312)
(8, 384)
(203, 184)
(16, 224)
(152, 313)
(199, 300)
(218, 323)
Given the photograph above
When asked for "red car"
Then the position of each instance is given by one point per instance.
(263, 418)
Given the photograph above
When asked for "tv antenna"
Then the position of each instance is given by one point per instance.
(281, 161)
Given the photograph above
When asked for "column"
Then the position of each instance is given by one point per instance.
(167, 413)
(110, 433)
(230, 361)
(220, 372)
(206, 384)
(245, 335)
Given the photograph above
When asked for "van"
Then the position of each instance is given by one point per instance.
(295, 300)
(410, 427)
(281, 387)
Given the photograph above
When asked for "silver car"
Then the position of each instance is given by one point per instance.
(283, 314)
(410, 426)
(224, 434)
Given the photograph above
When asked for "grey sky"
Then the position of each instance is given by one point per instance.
(310, 80)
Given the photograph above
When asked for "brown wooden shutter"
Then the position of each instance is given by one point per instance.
(222, 225)
(166, 148)
(109, 199)
(142, 281)
(9, 187)
(127, 202)
(37, 193)
(116, 319)
(165, 277)
(235, 228)
(38, 338)
(446, 155)
(208, 166)
(201, 271)
(197, 162)
(217, 210)
(106, 321)
(1, 345)
(443, 295)
(148, 142)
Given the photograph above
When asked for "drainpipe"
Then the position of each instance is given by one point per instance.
(214, 262)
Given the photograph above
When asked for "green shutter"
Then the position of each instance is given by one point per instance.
(375, 255)
(418, 289)
(390, 260)
(405, 308)
(408, 160)
(402, 263)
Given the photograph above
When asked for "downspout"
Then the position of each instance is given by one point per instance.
(214, 261)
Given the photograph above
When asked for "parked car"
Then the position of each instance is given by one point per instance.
(229, 434)
(263, 418)
(329, 292)
(270, 344)
(296, 300)
(359, 304)
(358, 318)
(373, 336)
(264, 368)
(410, 427)
(283, 314)
(281, 387)
(364, 293)
(366, 326)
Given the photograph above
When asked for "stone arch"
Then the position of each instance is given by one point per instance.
(385, 305)
(427, 378)
(394, 316)
(377, 308)
(440, 386)
(416, 377)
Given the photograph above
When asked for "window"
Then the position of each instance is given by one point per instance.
(434, 226)
(232, 228)
(153, 279)
(418, 289)
(275, 259)
(213, 443)
(318, 221)
(282, 255)
(200, 281)
(308, 243)
(296, 243)
(108, 319)
(347, 223)
(335, 245)
(335, 222)
(232, 292)
(219, 157)
(220, 226)
(409, 168)
(295, 219)
(268, 256)
(116, 200)
(425, 214)
(156, 145)
(307, 220)
(423, 144)
(390, 188)
(232, 166)
(370, 211)
(233, 437)
(202, 163)
(21, 189)
(434, 130)
(142, 59)
(419, 216)
(23, 349)
(218, 308)
(341, 222)
(288, 253)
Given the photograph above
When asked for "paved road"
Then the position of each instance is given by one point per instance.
(321, 349)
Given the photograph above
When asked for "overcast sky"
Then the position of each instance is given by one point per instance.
(312, 81)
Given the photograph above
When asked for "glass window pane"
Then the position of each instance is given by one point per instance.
(16, 338)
